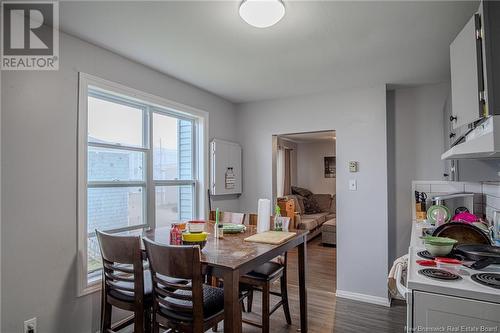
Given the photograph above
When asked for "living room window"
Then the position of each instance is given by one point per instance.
(139, 166)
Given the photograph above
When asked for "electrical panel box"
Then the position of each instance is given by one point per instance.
(225, 167)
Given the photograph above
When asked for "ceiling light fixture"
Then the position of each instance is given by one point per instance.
(262, 13)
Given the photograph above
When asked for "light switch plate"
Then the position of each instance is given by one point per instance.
(353, 166)
(353, 185)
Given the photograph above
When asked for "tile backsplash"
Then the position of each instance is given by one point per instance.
(486, 194)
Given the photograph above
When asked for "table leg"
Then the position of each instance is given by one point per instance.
(232, 308)
(302, 286)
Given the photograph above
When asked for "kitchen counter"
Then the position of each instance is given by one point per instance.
(465, 287)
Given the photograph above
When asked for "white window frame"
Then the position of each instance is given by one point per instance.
(155, 104)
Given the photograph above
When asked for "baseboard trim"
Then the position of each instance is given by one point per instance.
(363, 298)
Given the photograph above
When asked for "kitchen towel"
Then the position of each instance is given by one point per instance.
(263, 215)
(391, 279)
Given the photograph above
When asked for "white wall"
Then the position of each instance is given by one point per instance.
(415, 131)
(39, 159)
(359, 118)
(311, 166)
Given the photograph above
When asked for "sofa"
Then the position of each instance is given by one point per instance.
(293, 207)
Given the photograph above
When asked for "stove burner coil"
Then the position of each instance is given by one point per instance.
(438, 274)
(487, 279)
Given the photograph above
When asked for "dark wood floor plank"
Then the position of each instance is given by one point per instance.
(327, 313)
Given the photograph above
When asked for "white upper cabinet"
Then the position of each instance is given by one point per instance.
(466, 75)
(225, 169)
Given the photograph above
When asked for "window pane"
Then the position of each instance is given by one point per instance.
(106, 164)
(115, 207)
(173, 203)
(94, 261)
(110, 122)
(172, 148)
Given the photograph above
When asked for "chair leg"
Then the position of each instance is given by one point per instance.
(242, 305)
(156, 326)
(139, 321)
(105, 315)
(147, 320)
(284, 298)
(250, 300)
(265, 308)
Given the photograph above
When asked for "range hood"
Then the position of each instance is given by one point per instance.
(481, 142)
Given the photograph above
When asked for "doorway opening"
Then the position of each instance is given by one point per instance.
(304, 187)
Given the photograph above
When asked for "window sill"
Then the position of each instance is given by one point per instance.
(93, 286)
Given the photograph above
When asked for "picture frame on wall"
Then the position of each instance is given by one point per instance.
(330, 168)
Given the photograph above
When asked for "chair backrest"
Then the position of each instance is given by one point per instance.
(252, 219)
(228, 217)
(171, 262)
(122, 264)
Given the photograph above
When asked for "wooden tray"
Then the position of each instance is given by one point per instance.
(271, 237)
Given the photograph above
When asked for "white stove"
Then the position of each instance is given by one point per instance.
(463, 287)
(447, 302)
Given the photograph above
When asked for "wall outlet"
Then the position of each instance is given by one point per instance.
(30, 325)
(353, 185)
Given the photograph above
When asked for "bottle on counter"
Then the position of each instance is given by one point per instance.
(175, 235)
(216, 226)
(220, 231)
(278, 222)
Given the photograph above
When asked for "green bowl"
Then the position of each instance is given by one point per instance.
(439, 246)
(433, 240)
(439, 250)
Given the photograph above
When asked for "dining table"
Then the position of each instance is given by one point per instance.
(232, 256)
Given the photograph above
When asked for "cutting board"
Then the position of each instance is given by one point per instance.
(271, 237)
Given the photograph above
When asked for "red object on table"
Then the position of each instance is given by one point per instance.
(175, 235)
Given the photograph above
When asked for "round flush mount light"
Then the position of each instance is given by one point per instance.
(262, 13)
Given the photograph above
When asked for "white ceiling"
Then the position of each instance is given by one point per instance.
(310, 137)
(317, 47)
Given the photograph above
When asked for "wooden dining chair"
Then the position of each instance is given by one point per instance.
(194, 307)
(228, 217)
(261, 279)
(125, 284)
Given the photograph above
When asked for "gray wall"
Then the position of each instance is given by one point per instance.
(359, 117)
(415, 145)
(39, 151)
(311, 166)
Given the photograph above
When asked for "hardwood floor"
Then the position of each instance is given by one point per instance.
(326, 312)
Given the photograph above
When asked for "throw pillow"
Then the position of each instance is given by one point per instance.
(301, 191)
(311, 206)
(300, 201)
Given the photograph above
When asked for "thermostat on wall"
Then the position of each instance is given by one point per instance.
(353, 166)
